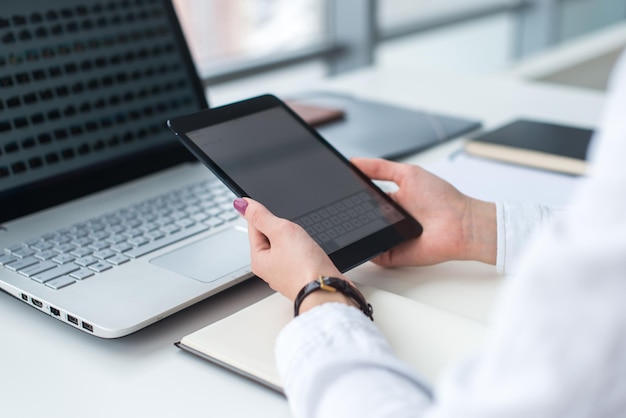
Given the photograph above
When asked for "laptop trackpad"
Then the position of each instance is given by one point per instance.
(211, 258)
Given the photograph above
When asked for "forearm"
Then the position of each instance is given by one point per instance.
(334, 362)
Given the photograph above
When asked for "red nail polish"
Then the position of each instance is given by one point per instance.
(240, 205)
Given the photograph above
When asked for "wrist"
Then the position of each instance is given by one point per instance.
(331, 289)
(320, 298)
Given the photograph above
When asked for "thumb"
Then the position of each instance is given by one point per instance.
(379, 169)
(257, 215)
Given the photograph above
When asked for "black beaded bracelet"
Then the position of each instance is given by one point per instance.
(334, 284)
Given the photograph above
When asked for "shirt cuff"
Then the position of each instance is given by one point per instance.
(517, 223)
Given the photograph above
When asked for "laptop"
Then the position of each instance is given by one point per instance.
(106, 222)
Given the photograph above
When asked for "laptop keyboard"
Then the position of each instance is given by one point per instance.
(64, 257)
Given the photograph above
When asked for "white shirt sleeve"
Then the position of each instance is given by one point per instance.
(557, 344)
(517, 224)
(334, 362)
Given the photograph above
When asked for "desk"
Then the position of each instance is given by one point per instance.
(50, 369)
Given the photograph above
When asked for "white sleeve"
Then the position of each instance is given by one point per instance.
(517, 224)
(334, 362)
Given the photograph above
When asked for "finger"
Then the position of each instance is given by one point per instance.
(261, 218)
(379, 169)
(392, 195)
(258, 241)
(383, 260)
(260, 248)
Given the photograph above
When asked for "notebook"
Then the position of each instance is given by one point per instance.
(536, 144)
(425, 337)
(107, 223)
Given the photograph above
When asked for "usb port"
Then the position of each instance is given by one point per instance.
(55, 311)
(36, 303)
(87, 326)
(72, 319)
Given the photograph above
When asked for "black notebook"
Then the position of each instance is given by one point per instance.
(536, 144)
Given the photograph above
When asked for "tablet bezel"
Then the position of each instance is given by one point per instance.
(344, 258)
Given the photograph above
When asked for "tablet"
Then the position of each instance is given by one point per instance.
(261, 149)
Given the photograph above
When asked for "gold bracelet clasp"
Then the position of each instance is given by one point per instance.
(324, 286)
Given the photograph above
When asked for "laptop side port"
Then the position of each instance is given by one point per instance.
(87, 326)
(24, 297)
(72, 319)
(54, 311)
(37, 303)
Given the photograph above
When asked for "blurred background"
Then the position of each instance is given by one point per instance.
(296, 41)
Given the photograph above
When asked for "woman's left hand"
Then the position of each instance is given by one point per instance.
(282, 253)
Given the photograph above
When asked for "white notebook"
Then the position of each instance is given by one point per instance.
(427, 338)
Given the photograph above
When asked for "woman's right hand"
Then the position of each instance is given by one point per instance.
(456, 226)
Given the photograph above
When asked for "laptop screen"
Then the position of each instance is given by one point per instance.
(85, 89)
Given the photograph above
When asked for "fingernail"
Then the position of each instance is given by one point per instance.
(240, 205)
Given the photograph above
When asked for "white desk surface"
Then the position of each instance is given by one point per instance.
(49, 369)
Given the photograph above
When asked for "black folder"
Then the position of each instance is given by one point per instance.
(376, 129)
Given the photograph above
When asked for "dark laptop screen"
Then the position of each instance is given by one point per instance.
(85, 89)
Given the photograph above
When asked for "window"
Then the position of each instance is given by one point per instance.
(222, 33)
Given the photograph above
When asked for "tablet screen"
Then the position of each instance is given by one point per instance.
(272, 157)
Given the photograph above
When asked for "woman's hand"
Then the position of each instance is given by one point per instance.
(456, 227)
(283, 254)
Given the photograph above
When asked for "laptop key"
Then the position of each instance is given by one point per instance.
(229, 216)
(138, 241)
(100, 267)
(41, 246)
(104, 254)
(63, 258)
(37, 268)
(60, 282)
(81, 252)
(153, 235)
(185, 223)
(23, 263)
(64, 248)
(155, 245)
(6, 259)
(23, 252)
(82, 274)
(55, 272)
(213, 222)
(99, 245)
(86, 261)
(14, 247)
(118, 259)
(60, 240)
(32, 241)
(120, 248)
(170, 229)
(116, 239)
(46, 255)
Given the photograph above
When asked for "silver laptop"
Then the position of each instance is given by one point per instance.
(106, 222)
